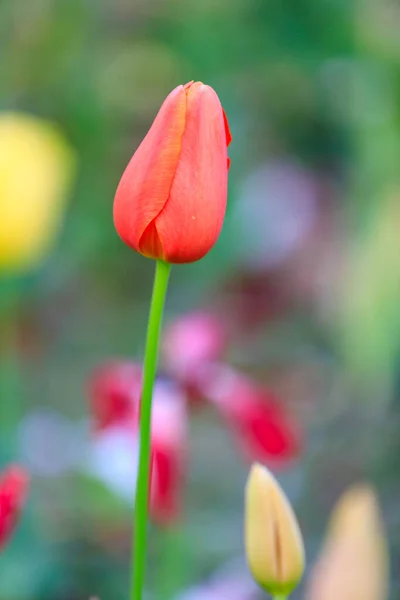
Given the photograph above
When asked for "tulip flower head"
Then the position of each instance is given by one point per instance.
(36, 171)
(170, 203)
(354, 562)
(274, 544)
(14, 483)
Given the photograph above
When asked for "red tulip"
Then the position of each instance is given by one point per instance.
(170, 203)
(14, 483)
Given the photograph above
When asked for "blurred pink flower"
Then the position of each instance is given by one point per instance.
(192, 346)
(189, 342)
(14, 483)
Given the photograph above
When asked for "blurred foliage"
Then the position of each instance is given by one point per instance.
(315, 82)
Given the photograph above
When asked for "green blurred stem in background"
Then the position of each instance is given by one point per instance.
(11, 294)
(142, 490)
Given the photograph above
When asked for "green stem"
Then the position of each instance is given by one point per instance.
(280, 597)
(143, 480)
(10, 380)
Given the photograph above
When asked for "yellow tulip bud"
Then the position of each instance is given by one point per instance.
(354, 563)
(274, 544)
(36, 170)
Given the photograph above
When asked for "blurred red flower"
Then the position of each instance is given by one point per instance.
(258, 421)
(115, 402)
(261, 426)
(114, 390)
(169, 446)
(14, 482)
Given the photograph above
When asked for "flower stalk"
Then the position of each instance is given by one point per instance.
(143, 481)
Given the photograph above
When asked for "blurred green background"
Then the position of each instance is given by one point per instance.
(311, 90)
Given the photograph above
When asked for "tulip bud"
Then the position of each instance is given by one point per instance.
(170, 203)
(353, 564)
(36, 170)
(274, 545)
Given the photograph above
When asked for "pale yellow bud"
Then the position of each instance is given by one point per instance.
(36, 170)
(274, 545)
(354, 563)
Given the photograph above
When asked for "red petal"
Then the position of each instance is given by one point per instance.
(150, 243)
(13, 490)
(227, 130)
(260, 424)
(114, 391)
(165, 485)
(191, 220)
(145, 185)
(266, 434)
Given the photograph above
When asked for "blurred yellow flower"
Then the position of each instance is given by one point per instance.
(36, 172)
(354, 563)
(274, 544)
